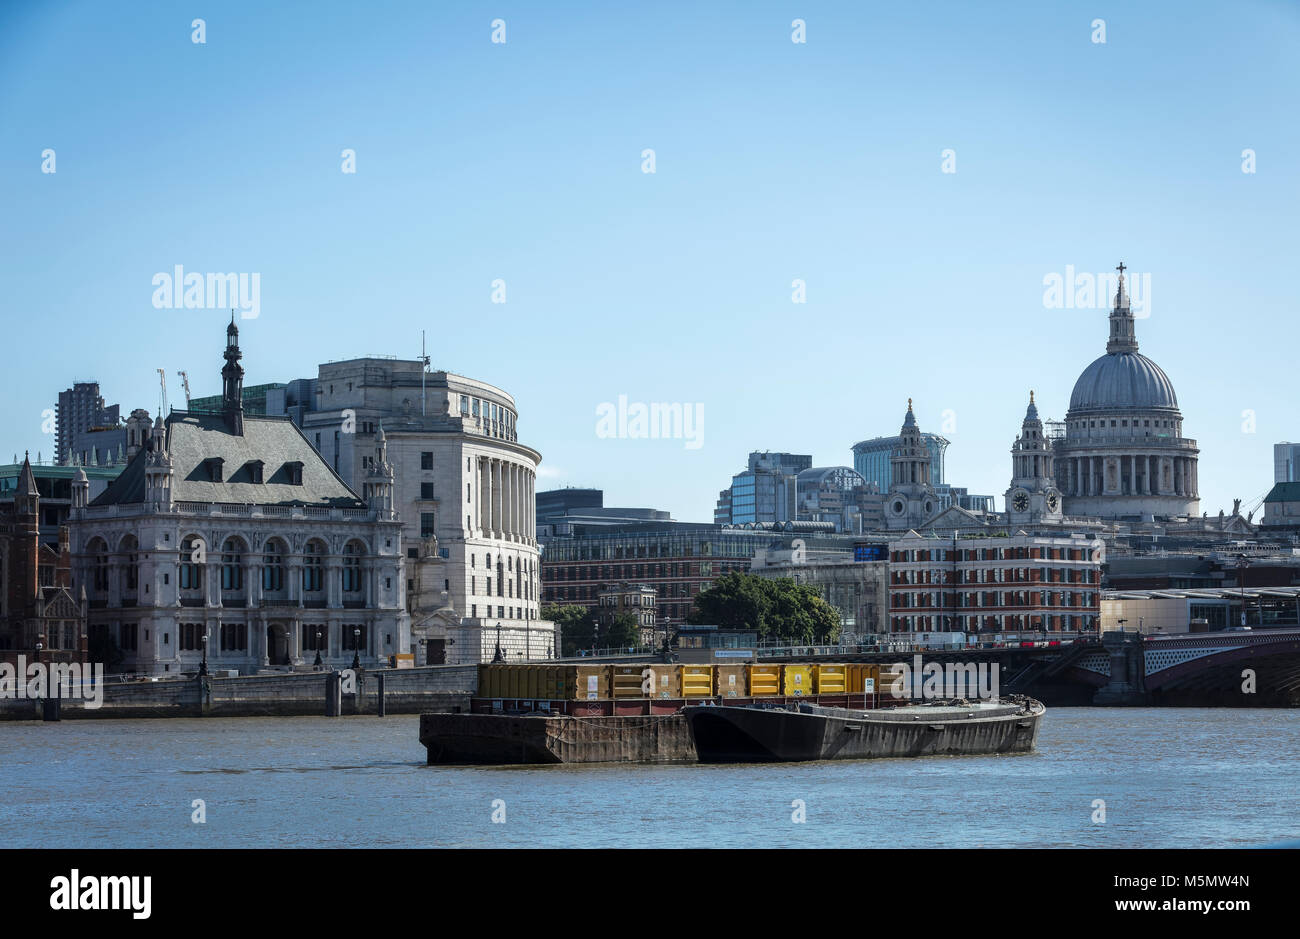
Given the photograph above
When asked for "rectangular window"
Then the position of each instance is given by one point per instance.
(315, 637)
(426, 490)
(426, 524)
(130, 634)
(426, 460)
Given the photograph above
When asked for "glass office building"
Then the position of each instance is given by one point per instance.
(871, 459)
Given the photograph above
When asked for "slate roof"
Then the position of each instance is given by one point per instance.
(194, 438)
(1284, 492)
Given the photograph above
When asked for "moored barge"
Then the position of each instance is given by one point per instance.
(805, 731)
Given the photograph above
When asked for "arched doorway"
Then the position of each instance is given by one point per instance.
(277, 645)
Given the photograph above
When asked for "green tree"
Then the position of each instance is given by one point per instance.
(779, 609)
(623, 633)
(576, 623)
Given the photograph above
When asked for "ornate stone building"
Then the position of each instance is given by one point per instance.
(911, 499)
(1124, 455)
(464, 491)
(1033, 496)
(229, 528)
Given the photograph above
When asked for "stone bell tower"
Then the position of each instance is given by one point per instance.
(1032, 496)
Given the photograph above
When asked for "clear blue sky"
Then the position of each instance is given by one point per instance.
(775, 161)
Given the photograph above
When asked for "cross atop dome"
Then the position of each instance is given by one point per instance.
(1122, 337)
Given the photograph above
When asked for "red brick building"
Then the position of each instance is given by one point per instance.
(1015, 583)
(38, 611)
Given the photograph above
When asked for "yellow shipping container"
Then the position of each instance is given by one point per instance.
(859, 675)
(764, 680)
(667, 680)
(486, 681)
(729, 681)
(625, 681)
(586, 682)
(547, 685)
(697, 681)
(831, 679)
(797, 680)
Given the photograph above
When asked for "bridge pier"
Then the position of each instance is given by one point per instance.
(1127, 685)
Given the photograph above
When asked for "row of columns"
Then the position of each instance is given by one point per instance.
(506, 499)
(252, 591)
(1135, 474)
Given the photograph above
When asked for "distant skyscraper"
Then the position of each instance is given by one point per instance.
(765, 492)
(80, 408)
(1286, 462)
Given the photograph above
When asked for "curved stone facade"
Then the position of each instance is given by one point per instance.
(1124, 455)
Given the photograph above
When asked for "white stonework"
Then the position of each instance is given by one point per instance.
(465, 492)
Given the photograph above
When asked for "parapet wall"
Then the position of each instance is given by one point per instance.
(435, 688)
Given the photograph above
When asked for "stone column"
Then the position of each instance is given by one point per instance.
(496, 498)
(512, 499)
(481, 495)
(253, 579)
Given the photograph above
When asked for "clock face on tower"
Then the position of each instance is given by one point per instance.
(1020, 501)
(1052, 501)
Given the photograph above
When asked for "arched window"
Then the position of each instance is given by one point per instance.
(351, 567)
(312, 562)
(273, 566)
(99, 565)
(192, 561)
(130, 564)
(232, 565)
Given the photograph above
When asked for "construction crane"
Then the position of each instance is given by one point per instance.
(162, 397)
(185, 383)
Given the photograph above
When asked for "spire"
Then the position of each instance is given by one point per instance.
(909, 419)
(232, 381)
(26, 478)
(1031, 413)
(1122, 337)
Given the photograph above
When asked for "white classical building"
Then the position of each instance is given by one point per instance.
(464, 490)
(1124, 455)
(228, 530)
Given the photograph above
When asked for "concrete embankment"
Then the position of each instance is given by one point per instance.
(438, 688)
(497, 739)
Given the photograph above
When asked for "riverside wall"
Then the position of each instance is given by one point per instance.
(435, 689)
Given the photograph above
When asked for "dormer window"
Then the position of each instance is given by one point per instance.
(214, 465)
(293, 473)
(254, 470)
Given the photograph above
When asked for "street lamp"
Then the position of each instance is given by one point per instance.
(203, 663)
(356, 648)
(1243, 562)
(318, 663)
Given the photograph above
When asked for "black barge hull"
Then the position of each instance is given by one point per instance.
(761, 735)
